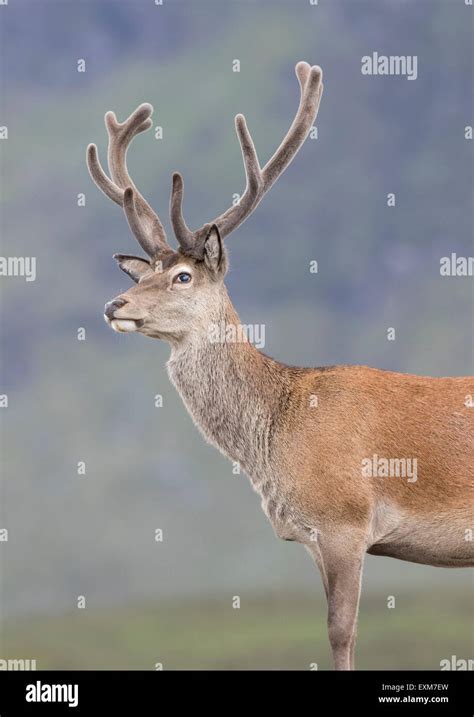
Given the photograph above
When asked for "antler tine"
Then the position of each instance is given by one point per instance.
(191, 242)
(131, 212)
(311, 88)
(143, 221)
(182, 232)
(235, 215)
(120, 136)
(259, 180)
(100, 178)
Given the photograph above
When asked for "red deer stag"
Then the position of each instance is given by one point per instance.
(381, 465)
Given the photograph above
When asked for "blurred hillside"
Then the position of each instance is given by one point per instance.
(147, 468)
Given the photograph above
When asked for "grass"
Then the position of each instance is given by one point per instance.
(288, 633)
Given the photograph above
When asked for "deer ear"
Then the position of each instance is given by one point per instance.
(134, 266)
(214, 252)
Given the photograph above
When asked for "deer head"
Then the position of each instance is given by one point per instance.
(178, 292)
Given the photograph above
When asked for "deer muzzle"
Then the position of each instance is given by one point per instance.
(122, 324)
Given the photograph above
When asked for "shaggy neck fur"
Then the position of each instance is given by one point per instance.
(236, 395)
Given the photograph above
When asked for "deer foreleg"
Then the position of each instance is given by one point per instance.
(340, 562)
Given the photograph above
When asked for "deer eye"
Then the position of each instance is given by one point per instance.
(183, 278)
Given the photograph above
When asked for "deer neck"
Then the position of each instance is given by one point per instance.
(232, 391)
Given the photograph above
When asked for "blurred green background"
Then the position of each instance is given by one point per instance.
(284, 632)
(147, 468)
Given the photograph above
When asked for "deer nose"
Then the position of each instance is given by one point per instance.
(111, 307)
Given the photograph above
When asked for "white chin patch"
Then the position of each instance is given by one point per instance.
(123, 325)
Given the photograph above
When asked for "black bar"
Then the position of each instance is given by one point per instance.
(151, 693)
